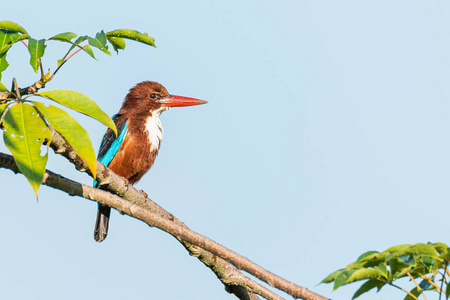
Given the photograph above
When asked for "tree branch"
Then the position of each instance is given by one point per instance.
(235, 282)
(32, 89)
(212, 254)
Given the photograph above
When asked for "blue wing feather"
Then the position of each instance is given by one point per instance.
(110, 144)
(113, 148)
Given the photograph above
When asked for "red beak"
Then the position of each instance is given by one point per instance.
(173, 101)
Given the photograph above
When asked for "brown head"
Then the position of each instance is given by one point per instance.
(148, 96)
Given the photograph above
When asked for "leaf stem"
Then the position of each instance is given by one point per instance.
(428, 279)
(42, 71)
(442, 282)
(418, 287)
(411, 295)
(16, 88)
(65, 60)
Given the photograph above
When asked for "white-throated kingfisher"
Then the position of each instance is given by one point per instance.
(139, 135)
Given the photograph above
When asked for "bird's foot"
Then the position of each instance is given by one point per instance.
(144, 193)
(126, 180)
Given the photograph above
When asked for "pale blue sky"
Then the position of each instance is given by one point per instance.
(325, 136)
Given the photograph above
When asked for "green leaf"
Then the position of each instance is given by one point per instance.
(3, 64)
(3, 88)
(86, 48)
(352, 275)
(332, 276)
(365, 273)
(2, 108)
(425, 285)
(399, 267)
(367, 254)
(342, 278)
(370, 284)
(72, 132)
(415, 291)
(445, 255)
(443, 250)
(440, 247)
(117, 43)
(5, 44)
(89, 51)
(383, 269)
(99, 42)
(6, 40)
(396, 262)
(16, 39)
(391, 251)
(101, 37)
(403, 273)
(80, 39)
(132, 35)
(81, 103)
(8, 25)
(417, 250)
(425, 257)
(64, 37)
(25, 132)
(370, 259)
(36, 49)
(428, 261)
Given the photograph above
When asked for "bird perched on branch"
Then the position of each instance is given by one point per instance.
(133, 151)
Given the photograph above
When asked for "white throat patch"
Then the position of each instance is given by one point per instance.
(154, 129)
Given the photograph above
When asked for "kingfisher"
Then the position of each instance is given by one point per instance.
(132, 152)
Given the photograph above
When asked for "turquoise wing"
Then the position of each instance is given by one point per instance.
(110, 144)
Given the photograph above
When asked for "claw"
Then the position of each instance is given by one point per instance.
(126, 180)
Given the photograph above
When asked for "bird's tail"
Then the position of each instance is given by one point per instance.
(101, 225)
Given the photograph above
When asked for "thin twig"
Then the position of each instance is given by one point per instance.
(42, 68)
(418, 287)
(402, 289)
(16, 89)
(32, 89)
(428, 279)
(442, 281)
(65, 60)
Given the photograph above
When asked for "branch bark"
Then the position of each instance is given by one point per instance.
(32, 89)
(132, 202)
(235, 282)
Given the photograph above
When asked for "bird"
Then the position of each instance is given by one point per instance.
(132, 152)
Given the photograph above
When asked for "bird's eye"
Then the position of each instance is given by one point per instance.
(153, 96)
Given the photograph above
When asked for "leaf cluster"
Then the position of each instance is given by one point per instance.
(27, 124)
(427, 262)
